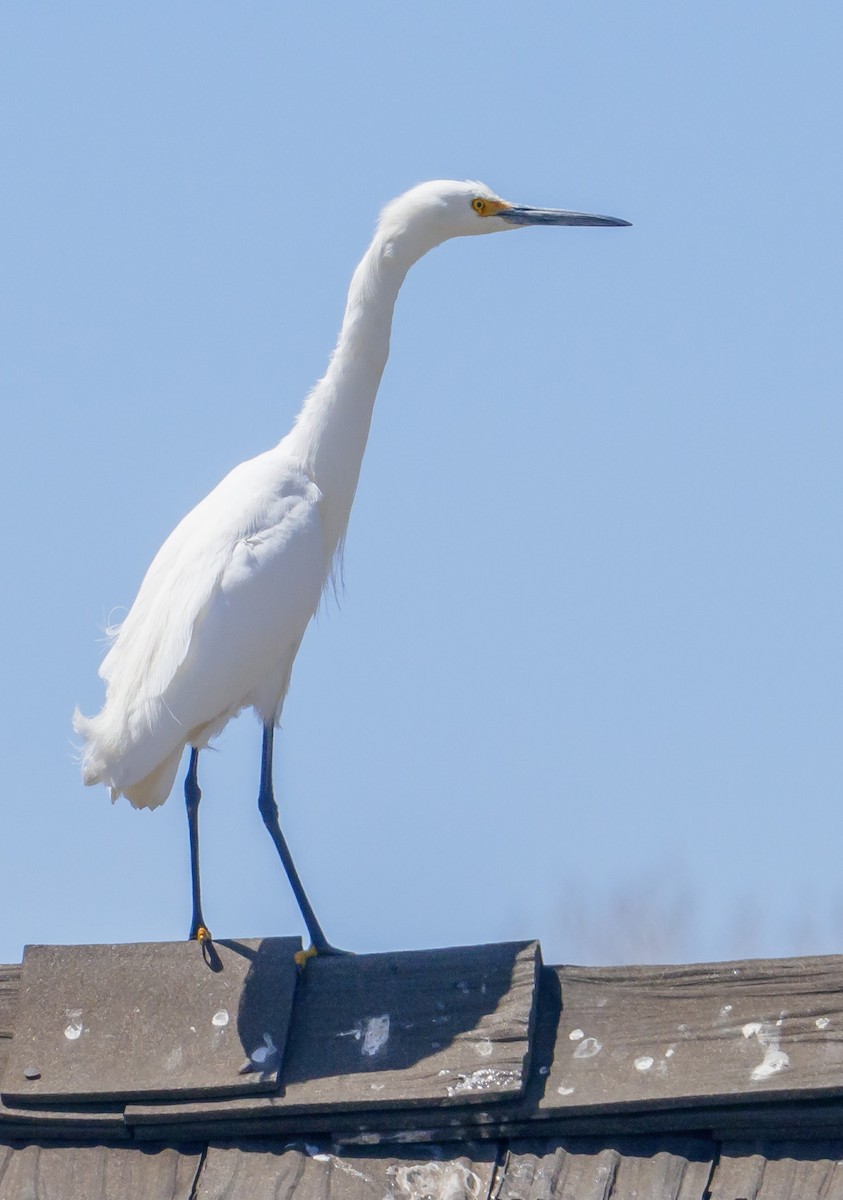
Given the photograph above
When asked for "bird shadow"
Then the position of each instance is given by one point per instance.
(356, 1016)
(373, 1014)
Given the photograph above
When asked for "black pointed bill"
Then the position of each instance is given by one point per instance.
(518, 214)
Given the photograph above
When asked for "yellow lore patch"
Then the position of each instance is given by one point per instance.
(488, 208)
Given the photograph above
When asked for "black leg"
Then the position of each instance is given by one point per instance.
(269, 812)
(192, 796)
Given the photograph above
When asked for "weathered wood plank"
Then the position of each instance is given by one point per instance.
(631, 1003)
(583, 1169)
(109, 1022)
(636, 1007)
(779, 1171)
(266, 1172)
(435, 1027)
(407, 1126)
(68, 1172)
(78, 1120)
(72, 1121)
(628, 1019)
(723, 1020)
(811, 1118)
(655, 1036)
(9, 989)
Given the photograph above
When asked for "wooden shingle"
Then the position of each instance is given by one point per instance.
(29, 1171)
(786, 1170)
(435, 1027)
(314, 1171)
(95, 1023)
(671, 1169)
(713, 1082)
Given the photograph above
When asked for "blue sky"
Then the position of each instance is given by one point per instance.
(585, 680)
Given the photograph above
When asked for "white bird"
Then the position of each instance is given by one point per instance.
(223, 608)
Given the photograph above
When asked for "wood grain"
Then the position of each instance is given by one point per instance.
(57, 1172)
(315, 1171)
(436, 1027)
(98, 1023)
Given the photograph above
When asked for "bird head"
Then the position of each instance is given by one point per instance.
(432, 212)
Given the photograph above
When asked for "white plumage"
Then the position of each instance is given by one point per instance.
(214, 629)
(222, 609)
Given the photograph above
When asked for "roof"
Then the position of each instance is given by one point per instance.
(154, 1071)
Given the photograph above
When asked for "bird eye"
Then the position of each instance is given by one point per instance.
(478, 205)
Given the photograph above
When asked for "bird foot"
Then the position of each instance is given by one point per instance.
(201, 934)
(324, 951)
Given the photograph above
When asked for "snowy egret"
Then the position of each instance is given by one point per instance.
(223, 608)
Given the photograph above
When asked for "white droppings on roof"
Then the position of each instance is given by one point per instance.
(775, 1059)
(375, 1035)
(439, 1180)
(483, 1080)
(340, 1165)
(588, 1048)
(373, 1032)
(644, 1062)
(74, 1027)
(575, 1035)
(174, 1060)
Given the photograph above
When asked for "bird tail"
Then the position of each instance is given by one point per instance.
(156, 786)
(105, 751)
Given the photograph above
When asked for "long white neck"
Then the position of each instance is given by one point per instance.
(330, 433)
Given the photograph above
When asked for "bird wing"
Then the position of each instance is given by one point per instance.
(214, 628)
(214, 558)
(246, 637)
